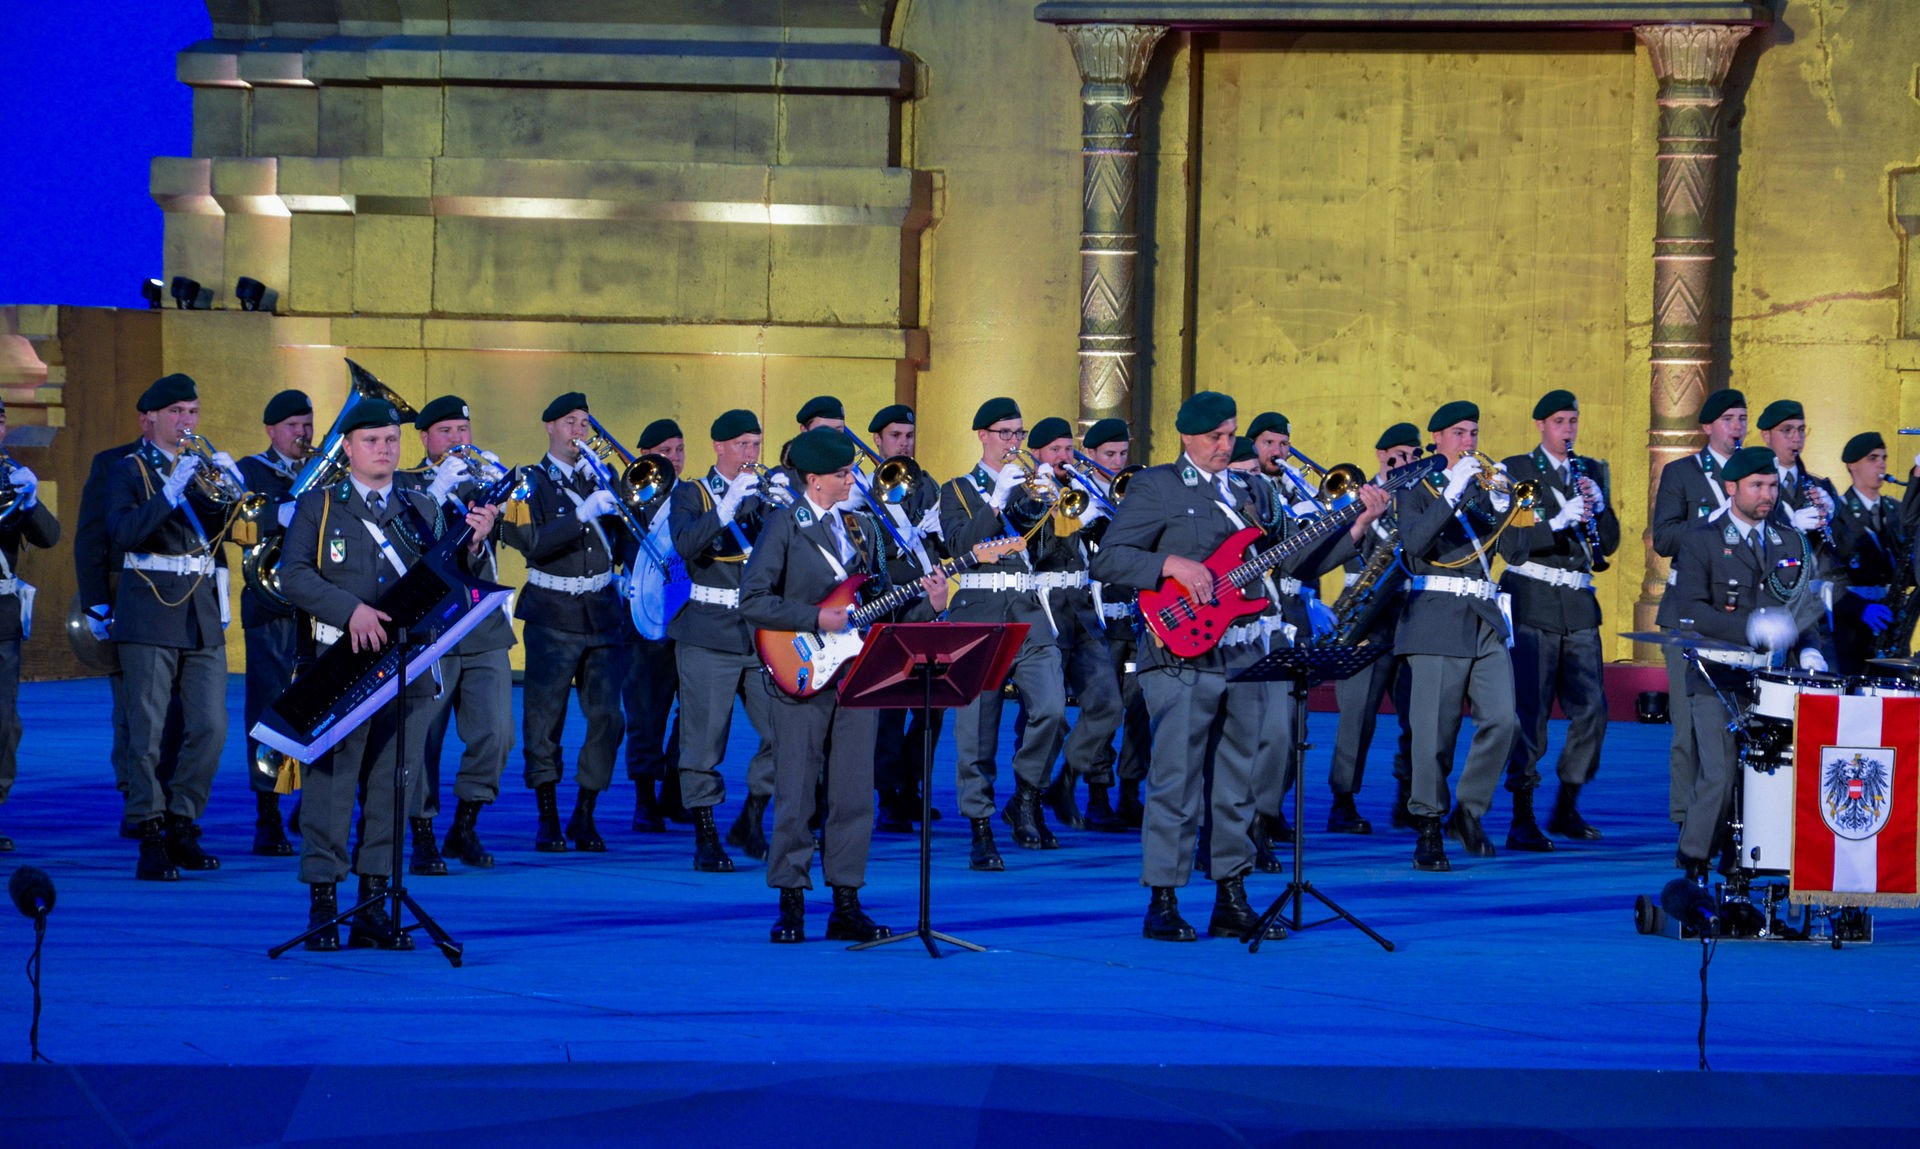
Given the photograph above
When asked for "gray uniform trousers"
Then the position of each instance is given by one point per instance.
(1201, 726)
(653, 678)
(152, 676)
(1547, 666)
(709, 680)
(1088, 747)
(1440, 684)
(805, 730)
(1274, 752)
(271, 648)
(9, 715)
(1359, 701)
(1711, 800)
(1136, 732)
(556, 660)
(1683, 758)
(122, 752)
(976, 730)
(359, 768)
(476, 691)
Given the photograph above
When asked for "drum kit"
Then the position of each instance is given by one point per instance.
(1762, 704)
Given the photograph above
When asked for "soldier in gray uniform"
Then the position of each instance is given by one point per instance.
(977, 506)
(1556, 622)
(168, 617)
(26, 523)
(1689, 489)
(1807, 501)
(1747, 580)
(653, 675)
(715, 522)
(348, 544)
(1873, 559)
(271, 631)
(1359, 697)
(576, 627)
(476, 680)
(1109, 443)
(1454, 636)
(800, 556)
(1174, 517)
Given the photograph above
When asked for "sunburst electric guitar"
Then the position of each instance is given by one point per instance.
(804, 663)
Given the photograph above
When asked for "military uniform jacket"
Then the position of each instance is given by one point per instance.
(37, 527)
(713, 559)
(1386, 614)
(496, 632)
(1172, 509)
(1335, 550)
(1720, 581)
(789, 573)
(968, 518)
(270, 475)
(140, 520)
(1872, 548)
(1067, 554)
(96, 561)
(904, 566)
(330, 563)
(556, 542)
(1435, 622)
(1542, 605)
(1688, 492)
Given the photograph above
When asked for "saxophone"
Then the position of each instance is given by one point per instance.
(1897, 640)
(1356, 608)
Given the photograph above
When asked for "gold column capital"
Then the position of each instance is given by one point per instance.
(1691, 54)
(1113, 53)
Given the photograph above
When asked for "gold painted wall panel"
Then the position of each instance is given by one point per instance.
(602, 124)
(321, 257)
(285, 122)
(836, 276)
(390, 256)
(220, 121)
(349, 122)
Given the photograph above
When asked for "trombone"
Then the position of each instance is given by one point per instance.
(1336, 483)
(642, 482)
(1080, 476)
(894, 477)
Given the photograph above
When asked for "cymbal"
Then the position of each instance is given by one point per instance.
(1683, 640)
(1909, 664)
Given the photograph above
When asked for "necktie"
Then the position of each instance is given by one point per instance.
(377, 503)
(838, 526)
(1758, 538)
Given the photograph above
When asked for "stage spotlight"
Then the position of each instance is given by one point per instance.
(1651, 707)
(188, 295)
(154, 292)
(254, 295)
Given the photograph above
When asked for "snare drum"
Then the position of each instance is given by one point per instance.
(1766, 816)
(1778, 689)
(1884, 688)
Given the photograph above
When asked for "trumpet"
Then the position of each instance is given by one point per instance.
(770, 492)
(480, 468)
(1522, 494)
(1040, 494)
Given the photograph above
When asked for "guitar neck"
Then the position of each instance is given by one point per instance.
(1315, 533)
(907, 592)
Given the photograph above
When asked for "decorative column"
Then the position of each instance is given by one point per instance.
(1690, 61)
(1112, 59)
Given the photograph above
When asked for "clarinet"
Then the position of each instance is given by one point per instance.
(1590, 527)
(1807, 489)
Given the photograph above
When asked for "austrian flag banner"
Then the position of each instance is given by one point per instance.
(1856, 801)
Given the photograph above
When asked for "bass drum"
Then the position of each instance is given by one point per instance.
(1777, 690)
(1766, 815)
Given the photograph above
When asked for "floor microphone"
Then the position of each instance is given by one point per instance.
(1687, 903)
(32, 891)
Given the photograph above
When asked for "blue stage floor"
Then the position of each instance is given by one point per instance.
(622, 998)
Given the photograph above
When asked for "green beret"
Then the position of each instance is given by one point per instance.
(1554, 402)
(994, 410)
(733, 424)
(285, 406)
(820, 451)
(1204, 411)
(1719, 403)
(370, 413)
(1748, 461)
(1778, 412)
(564, 405)
(1398, 435)
(1108, 431)
(1048, 430)
(658, 432)
(895, 413)
(1862, 445)
(168, 390)
(1458, 411)
(821, 407)
(1269, 421)
(442, 409)
(1243, 449)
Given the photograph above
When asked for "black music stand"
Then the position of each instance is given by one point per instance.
(930, 666)
(396, 894)
(1301, 667)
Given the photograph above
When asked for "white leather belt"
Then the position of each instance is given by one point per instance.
(325, 634)
(1020, 581)
(1287, 585)
(1539, 572)
(1244, 633)
(1745, 659)
(1116, 610)
(170, 564)
(1870, 593)
(569, 584)
(9, 586)
(1464, 587)
(1060, 580)
(715, 595)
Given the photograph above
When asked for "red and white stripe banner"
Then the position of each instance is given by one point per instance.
(1856, 801)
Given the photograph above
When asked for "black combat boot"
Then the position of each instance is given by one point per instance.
(372, 927)
(1101, 816)
(1402, 794)
(897, 810)
(1344, 817)
(749, 830)
(791, 926)
(647, 815)
(1022, 813)
(1465, 829)
(1264, 858)
(986, 855)
(426, 860)
(709, 856)
(183, 845)
(155, 864)
(849, 923)
(1059, 798)
(463, 840)
(1164, 923)
(1523, 833)
(1234, 918)
(6, 844)
(321, 907)
(581, 831)
(269, 836)
(1131, 811)
(671, 807)
(1566, 820)
(1430, 851)
(546, 833)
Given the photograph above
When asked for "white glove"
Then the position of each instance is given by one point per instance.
(225, 462)
(1459, 476)
(451, 472)
(1005, 483)
(1571, 511)
(183, 470)
(1590, 491)
(742, 487)
(779, 479)
(1771, 628)
(285, 514)
(100, 622)
(1813, 660)
(929, 523)
(490, 457)
(29, 485)
(1093, 514)
(1808, 518)
(594, 505)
